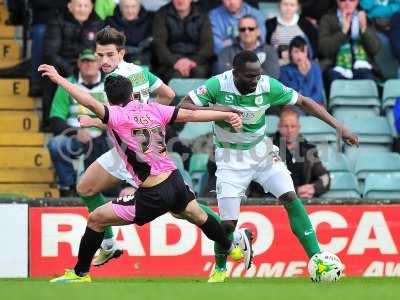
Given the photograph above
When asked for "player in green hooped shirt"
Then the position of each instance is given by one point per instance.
(109, 170)
(250, 155)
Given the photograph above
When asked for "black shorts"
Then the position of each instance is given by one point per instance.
(171, 195)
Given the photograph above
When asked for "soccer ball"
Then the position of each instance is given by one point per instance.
(325, 266)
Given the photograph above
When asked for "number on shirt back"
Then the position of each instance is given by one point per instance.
(150, 138)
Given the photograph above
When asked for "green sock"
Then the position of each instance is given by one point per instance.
(219, 253)
(301, 226)
(93, 202)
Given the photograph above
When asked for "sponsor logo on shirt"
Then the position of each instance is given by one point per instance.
(259, 100)
(229, 99)
(202, 90)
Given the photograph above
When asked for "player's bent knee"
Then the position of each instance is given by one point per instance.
(85, 189)
(287, 197)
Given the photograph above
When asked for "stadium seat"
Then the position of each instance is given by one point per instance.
(272, 124)
(9, 49)
(390, 119)
(316, 131)
(376, 163)
(269, 9)
(382, 186)
(391, 90)
(198, 162)
(346, 111)
(337, 163)
(343, 185)
(361, 94)
(182, 86)
(371, 130)
(193, 130)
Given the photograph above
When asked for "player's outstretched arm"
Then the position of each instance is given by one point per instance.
(165, 94)
(87, 122)
(320, 112)
(187, 103)
(187, 115)
(79, 95)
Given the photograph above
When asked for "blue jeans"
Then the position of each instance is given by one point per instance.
(63, 150)
(37, 33)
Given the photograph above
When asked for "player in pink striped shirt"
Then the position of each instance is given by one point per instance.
(138, 131)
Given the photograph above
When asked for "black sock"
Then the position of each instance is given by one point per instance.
(214, 231)
(90, 242)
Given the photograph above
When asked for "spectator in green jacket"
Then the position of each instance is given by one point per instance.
(70, 141)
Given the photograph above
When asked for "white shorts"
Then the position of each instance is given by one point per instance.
(114, 165)
(235, 174)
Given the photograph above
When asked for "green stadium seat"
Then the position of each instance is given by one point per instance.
(391, 90)
(377, 163)
(182, 86)
(337, 163)
(352, 153)
(390, 119)
(186, 177)
(382, 186)
(199, 180)
(346, 111)
(272, 124)
(198, 162)
(371, 130)
(316, 131)
(269, 9)
(354, 93)
(193, 130)
(343, 185)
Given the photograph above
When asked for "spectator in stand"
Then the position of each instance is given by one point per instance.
(208, 5)
(249, 39)
(66, 36)
(42, 12)
(134, 21)
(347, 43)
(288, 24)
(225, 19)
(380, 12)
(182, 41)
(310, 177)
(394, 35)
(313, 10)
(302, 74)
(105, 8)
(69, 140)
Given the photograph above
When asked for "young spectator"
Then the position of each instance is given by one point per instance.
(182, 41)
(249, 39)
(394, 35)
(134, 21)
(105, 8)
(225, 19)
(66, 36)
(347, 43)
(310, 177)
(302, 74)
(283, 28)
(42, 12)
(70, 141)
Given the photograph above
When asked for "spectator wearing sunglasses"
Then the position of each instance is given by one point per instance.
(224, 22)
(249, 39)
(288, 24)
(347, 43)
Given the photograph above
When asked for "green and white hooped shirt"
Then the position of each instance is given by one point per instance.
(143, 81)
(220, 90)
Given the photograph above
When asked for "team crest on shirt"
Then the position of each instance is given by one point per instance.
(261, 57)
(202, 90)
(259, 100)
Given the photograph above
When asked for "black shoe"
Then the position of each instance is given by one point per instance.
(68, 193)
(35, 89)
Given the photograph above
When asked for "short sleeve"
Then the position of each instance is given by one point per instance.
(167, 114)
(206, 93)
(279, 94)
(113, 116)
(154, 81)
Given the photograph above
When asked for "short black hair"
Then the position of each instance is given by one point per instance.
(244, 57)
(109, 35)
(297, 42)
(118, 89)
(249, 16)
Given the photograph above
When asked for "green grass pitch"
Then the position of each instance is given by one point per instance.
(198, 289)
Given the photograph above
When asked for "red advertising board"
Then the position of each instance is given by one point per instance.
(365, 237)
